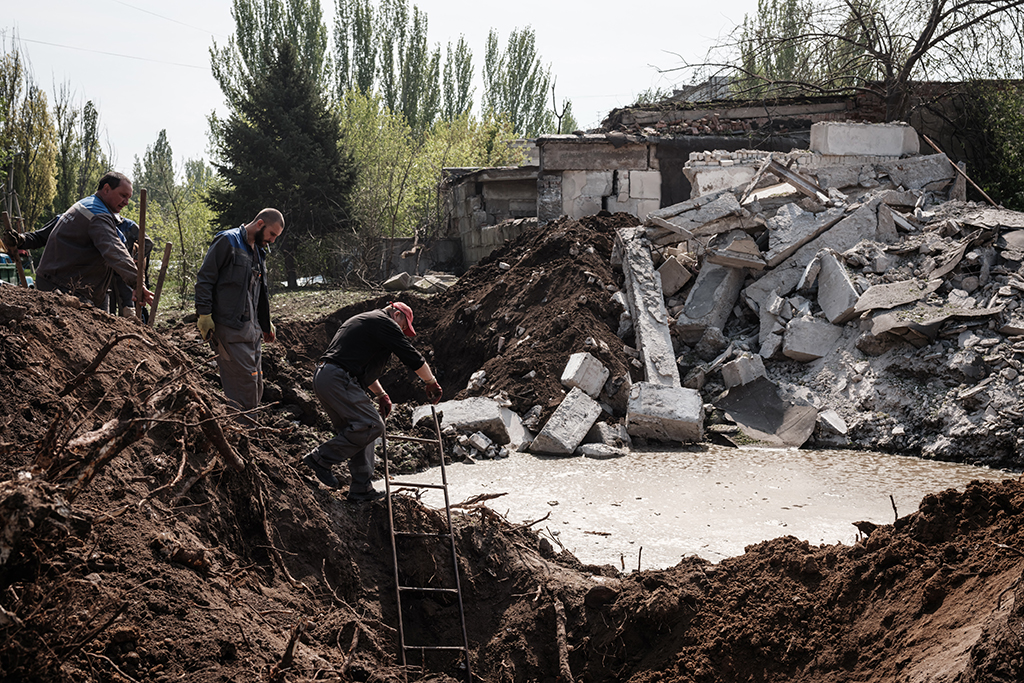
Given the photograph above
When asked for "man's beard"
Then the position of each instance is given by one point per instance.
(259, 239)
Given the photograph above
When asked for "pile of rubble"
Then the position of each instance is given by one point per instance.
(843, 296)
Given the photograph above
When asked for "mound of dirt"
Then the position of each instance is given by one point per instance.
(145, 536)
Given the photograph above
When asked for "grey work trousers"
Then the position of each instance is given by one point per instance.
(356, 422)
(239, 362)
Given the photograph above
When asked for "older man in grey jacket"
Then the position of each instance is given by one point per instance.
(85, 249)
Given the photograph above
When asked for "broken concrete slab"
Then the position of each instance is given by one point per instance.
(399, 282)
(765, 417)
(662, 413)
(706, 215)
(738, 250)
(918, 172)
(586, 372)
(791, 227)
(918, 325)
(861, 224)
(837, 296)
(710, 301)
(893, 294)
(647, 308)
(479, 414)
(568, 425)
(742, 370)
(809, 338)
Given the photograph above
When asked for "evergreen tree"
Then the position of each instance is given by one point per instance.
(280, 147)
(156, 172)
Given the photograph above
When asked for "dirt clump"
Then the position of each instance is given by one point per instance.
(134, 548)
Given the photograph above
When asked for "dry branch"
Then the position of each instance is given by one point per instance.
(213, 432)
(100, 355)
(565, 673)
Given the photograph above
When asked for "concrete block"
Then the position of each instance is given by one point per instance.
(647, 308)
(707, 179)
(480, 414)
(586, 183)
(662, 413)
(610, 435)
(399, 282)
(645, 207)
(622, 179)
(710, 301)
(585, 372)
(742, 370)
(644, 185)
(878, 139)
(627, 205)
(567, 426)
(581, 206)
(480, 442)
(808, 338)
(836, 294)
(674, 276)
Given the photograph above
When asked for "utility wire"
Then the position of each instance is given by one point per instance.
(112, 54)
(160, 16)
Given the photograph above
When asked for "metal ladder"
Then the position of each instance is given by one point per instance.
(448, 533)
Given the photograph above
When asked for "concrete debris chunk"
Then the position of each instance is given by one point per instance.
(479, 414)
(743, 370)
(837, 296)
(568, 425)
(647, 309)
(809, 338)
(893, 294)
(586, 372)
(609, 434)
(399, 282)
(674, 275)
(765, 417)
(919, 172)
(710, 301)
(665, 413)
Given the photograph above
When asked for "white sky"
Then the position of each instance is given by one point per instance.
(145, 64)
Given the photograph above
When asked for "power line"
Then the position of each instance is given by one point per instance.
(111, 54)
(160, 16)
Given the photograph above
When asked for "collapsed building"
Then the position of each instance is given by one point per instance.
(845, 295)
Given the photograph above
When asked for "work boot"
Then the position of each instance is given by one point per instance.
(322, 473)
(365, 496)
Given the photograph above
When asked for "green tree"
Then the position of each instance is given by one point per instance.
(69, 150)
(457, 81)
(516, 83)
(93, 163)
(261, 26)
(156, 171)
(280, 146)
(355, 51)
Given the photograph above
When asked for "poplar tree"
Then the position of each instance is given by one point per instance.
(516, 84)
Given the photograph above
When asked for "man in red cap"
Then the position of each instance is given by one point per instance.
(351, 367)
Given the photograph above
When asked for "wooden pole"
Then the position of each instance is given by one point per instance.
(957, 169)
(13, 251)
(140, 257)
(160, 284)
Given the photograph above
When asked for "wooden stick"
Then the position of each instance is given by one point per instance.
(957, 169)
(13, 252)
(100, 355)
(140, 257)
(160, 284)
(563, 647)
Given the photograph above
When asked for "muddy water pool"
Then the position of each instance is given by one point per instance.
(651, 508)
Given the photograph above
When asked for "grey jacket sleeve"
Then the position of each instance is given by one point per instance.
(105, 236)
(209, 273)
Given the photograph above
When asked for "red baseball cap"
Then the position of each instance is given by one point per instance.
(407, 312)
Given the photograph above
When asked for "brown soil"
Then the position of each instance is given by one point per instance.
(160, 562)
